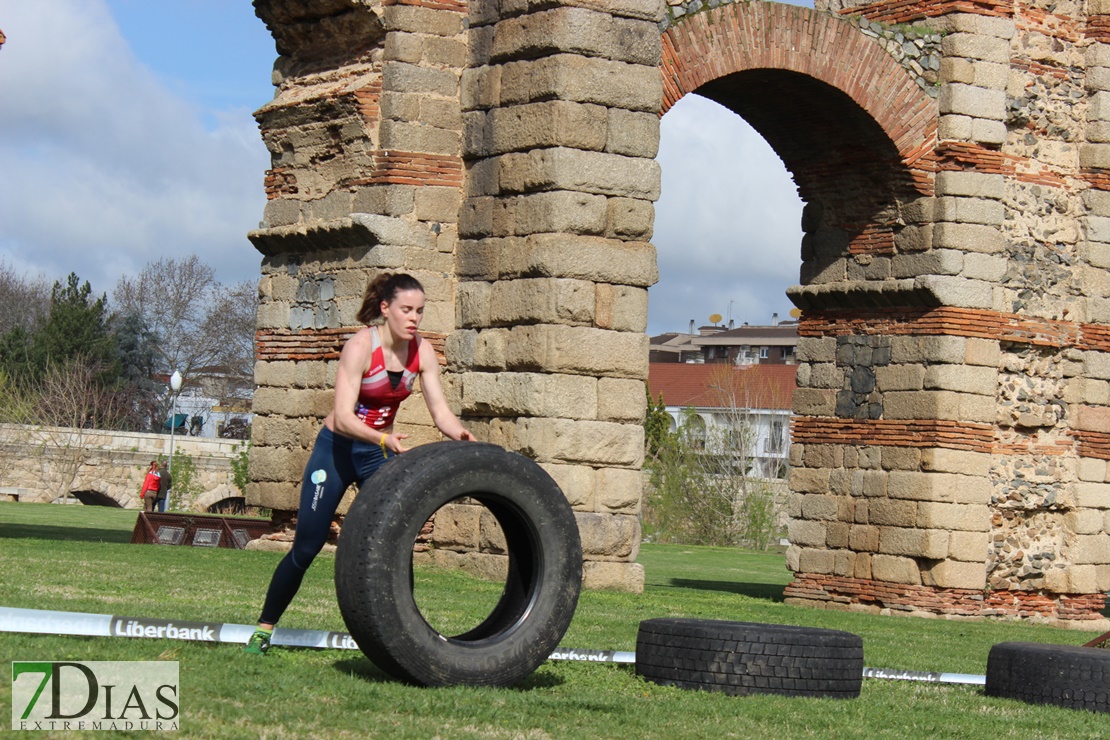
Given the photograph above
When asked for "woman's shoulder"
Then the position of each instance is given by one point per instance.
(361, 340)
(426, 352)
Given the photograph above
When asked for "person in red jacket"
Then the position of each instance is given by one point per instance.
(151, 484)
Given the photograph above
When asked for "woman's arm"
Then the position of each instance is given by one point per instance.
(354, 360)
(445, 420)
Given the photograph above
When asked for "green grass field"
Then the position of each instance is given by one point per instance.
(78, 559)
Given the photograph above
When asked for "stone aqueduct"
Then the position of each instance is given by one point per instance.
(952, 423)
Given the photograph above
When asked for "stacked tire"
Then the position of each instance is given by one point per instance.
(742, 658)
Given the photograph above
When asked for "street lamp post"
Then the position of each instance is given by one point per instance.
(175, 387)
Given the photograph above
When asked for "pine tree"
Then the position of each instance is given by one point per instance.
(77, 327)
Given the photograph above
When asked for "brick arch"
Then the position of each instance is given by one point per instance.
(743, 37)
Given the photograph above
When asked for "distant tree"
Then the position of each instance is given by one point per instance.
(201, 324)
(657, 424)
(24, 302)
(76, 327)
(136, 351)
(15, 352)
(174, 298)
(232, 321)
(70, 402)
(14, 412)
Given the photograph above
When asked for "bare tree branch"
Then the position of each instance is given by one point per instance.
(70, 405)
(24, 302)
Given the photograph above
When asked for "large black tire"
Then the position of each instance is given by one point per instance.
(741, 658)
(1064, 675)
(373, 566)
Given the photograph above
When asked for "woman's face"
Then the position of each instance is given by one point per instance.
(404, 313)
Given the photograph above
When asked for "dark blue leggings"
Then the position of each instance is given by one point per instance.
(335, 463)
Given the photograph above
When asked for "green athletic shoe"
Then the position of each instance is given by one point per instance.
(259, 643)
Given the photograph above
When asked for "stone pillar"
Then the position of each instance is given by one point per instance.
(1088, 394)
(561, 128)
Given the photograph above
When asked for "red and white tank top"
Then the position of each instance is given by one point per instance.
(378, 400)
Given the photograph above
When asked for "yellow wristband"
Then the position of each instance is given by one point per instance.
(383, 443)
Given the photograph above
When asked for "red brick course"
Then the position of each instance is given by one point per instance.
(457, 6)
(961, 322)
(955, 435)
(1098, 28)
(319, 344)
(413, 168)
(949, 601)
(905, 11)
(280, 181)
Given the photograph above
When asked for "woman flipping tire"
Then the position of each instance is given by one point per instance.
(373, 566)
(377, 369)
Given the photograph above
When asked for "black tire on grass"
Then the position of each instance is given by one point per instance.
(742, 658)
(373, 566)
(1063, 675)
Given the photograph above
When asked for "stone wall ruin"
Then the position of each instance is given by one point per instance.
(952, 424)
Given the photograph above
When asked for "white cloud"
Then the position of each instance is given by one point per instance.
(727, 226)
(104, 168)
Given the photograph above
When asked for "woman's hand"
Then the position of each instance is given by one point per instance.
(392, 443)
(466, 436)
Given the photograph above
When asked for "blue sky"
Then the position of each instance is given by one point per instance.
(126, 135)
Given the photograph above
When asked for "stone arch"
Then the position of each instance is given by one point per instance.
(855, 130)
(97, 498)
(772, 36)
(209, 498)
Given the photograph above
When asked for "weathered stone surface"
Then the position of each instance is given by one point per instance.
(565, 440)
(812, 560)
(457, 525)
(621, 400)
(619, 490)
(807, 533)
(963, 517)
(894, 569)
(542, 300)
(555, 123)
(560, 255)
(582, 79)
(955, 574)
(942, 460)
(562, 168)
(529, 394)
(577, 31)
(963, 379)
(576, 482)
(608, 537)
(938, 487)
(975, 46)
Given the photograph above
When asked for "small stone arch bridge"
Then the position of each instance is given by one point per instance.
(951, 430)
(107, 468)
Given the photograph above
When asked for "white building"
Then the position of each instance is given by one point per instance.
(753, 401)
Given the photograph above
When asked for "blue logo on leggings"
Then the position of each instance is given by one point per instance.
(318, 477)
